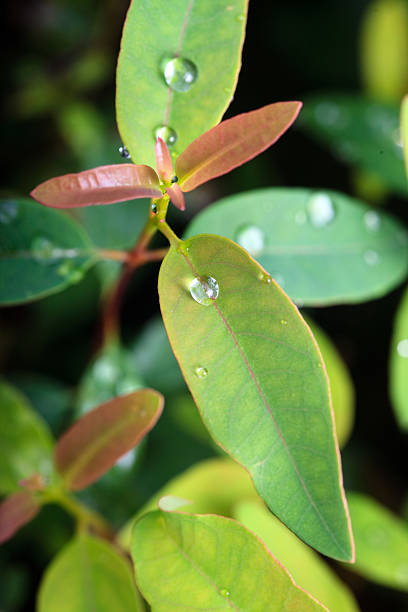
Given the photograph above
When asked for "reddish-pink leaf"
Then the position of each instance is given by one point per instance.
(176, 196)
(233, 142)
(15, 511)
(96, 441)
(163, 159)
(102, 185)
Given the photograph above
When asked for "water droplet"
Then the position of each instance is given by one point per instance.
(372, 220)
(204, 290)
(320, 209)
(124, 152)
(402, 348)
(371, 257)
(8, 211)
(179, 73)
(167, 134)
(44, 250)
(265, 278)
(284, 322)
(401, 574)
(105, 370)
(300, 217)
(70, 272)
(225, 593)
(154, 208)
(240, 18)
(201, 372)
(251, 238)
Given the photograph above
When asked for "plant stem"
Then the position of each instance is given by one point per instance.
(86, 518)
(113, 255)
(166, 230)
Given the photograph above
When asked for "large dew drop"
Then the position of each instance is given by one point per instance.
(167, 134)
(204, 290)
(8, 211)
(251, 238)
(320, 209)
(402, 348)
(179, 73)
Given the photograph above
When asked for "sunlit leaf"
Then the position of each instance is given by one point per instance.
(233, 142)
(360, 132)
(307, 569)
(144, 101)
(89, 574)
(399, 364)
(102, 185)
(381, 542)
(25, 441)
(96, 441)
(254, 370)
(322, 247)
(210, 563)
(404, 129)
(42, 251)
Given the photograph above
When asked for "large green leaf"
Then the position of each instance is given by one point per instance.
(25, 441)
(255, 372)
(42, 251)
(399, 364)
(404, 129)
(305, 566)
(360, 132)
(89, 575)
(322, 247)
(381, 542)
(189, 562)
(208, 33)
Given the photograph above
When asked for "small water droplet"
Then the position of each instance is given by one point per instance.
(201, 372)
(204, 290)
(8, 211)
(179, 73)
(240, 18)
(69, 271)
(300, 217)
(105, 370)
(402, 348)
(167, 134)
(44, 250)
(251, 238)
(225, 593)
(284, 322)
(371, 257)
(372, 220)
(265, 278)
(320, 209)
(154, 208)
(401, 574)
(124, 152)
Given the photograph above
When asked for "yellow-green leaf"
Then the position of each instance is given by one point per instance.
(399, 364)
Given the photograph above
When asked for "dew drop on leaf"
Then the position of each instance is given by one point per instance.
(225, 593)
(44, 250)
(204, 290)
(167, 134)
(371, 257)
(8, 211)
(320, 209)
(265, 278)
(251, 238)
(179, 73)
(284, 322)
(402, 348)
(372, 220)
(124, 152)
(201, 372)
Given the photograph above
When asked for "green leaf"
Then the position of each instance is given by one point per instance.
(16, 510)
(209, 563)
(322, 247)
(305, 566)
(25, 441)
(341, 385)
(381, 542)
(89, 574)
(255, 372)
(360, 132)
(404, 129)
(399, 364)
(145, 102)
(96, 441)
(42, 251)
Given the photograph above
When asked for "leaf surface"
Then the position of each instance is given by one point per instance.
(322, 247)
(16, 510)
(399, 364)
(307, 569)
(89, 574)
(102, 185)
(144, 101)
(42, 251)
(95, 442)
(25, 440)
(233, 142)
(210, 563)
(255, 372)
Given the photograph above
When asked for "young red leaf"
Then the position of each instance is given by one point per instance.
(96, 441)
(163, 160)
(15, 511)
(102, 185)
(176, 196)
(233, 142)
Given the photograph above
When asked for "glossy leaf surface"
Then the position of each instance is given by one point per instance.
(361, 133)
(42, 251)
(89, 574)
(381, 542)
(102, 185)
(399, 364)
(145, 102)
(96, 441)
(255, 372)
(210, 563)
(233, 142)
(322, 247)
(25, 441)
(404, 129)
(307, 569)
(16, 511)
